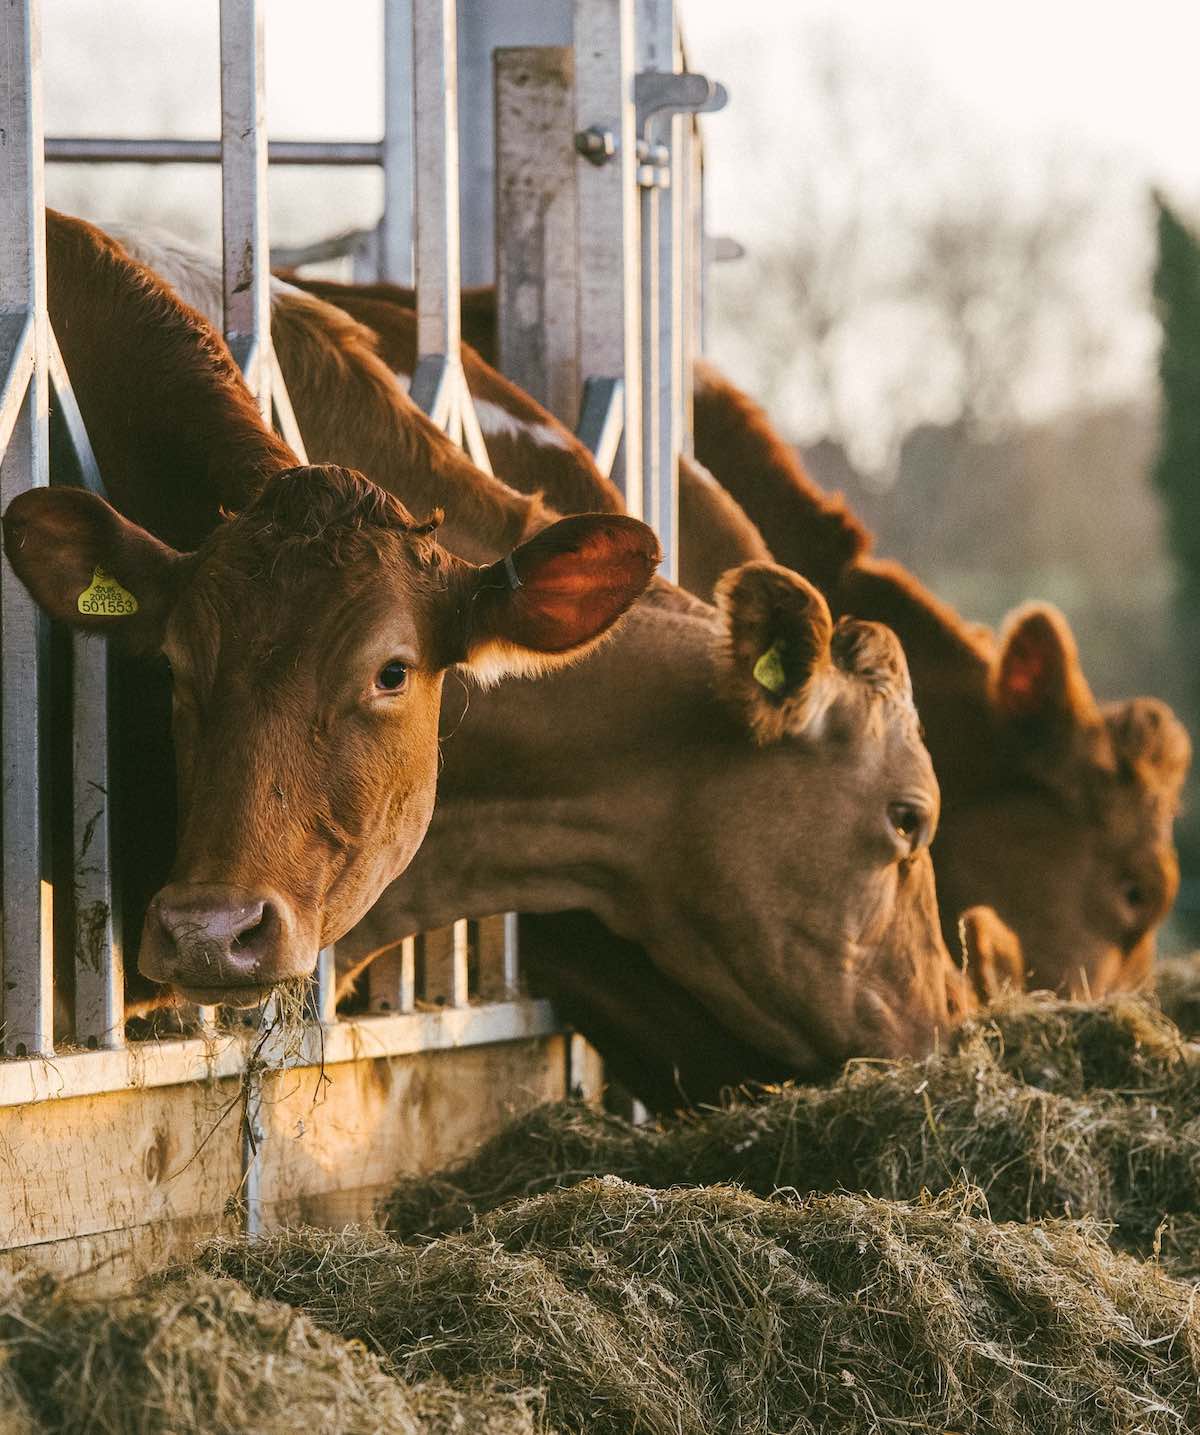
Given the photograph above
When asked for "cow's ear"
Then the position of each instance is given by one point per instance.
(87, 566)
(1037, 685)
(780, 670)
(553, 597)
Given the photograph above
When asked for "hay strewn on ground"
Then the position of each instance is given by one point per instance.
(1051, 1109)
(699, 1312)
(203, 1355)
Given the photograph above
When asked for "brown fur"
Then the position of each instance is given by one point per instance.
(175, 431)
(348, 403)
(305, 781)
(1056, 811)
(606, 799)
(564, 468)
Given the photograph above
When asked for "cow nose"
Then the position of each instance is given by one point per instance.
(209, 936)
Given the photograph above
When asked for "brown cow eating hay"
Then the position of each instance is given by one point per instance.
(1057, 810)
(309, 635)
(746, 791)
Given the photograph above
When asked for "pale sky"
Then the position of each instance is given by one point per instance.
(1119, 78)
(1092, 81)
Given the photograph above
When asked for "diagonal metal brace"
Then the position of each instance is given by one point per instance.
(658, 91)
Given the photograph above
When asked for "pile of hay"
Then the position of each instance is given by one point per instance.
(198, 1354)
(696, 1312)
(1050, 1109)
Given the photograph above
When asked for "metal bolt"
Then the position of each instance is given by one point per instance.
(596, 145)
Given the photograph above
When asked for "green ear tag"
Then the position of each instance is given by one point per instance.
(769, 670)
(105, 598)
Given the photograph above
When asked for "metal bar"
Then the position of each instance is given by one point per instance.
(472, 434)
(649, 317)
(16, 367)
(99, 954)
(286, 423)
(396, 226)
(609, 332)
(326, 988)
(660, 52)
(494, 938)
(436, 147)
(72, 150)
(391, 978)
(512, 954)
(171, 1063)
(482, 30)
(28, 955)
(446, 958)
(433, 388)
(537, 289)
(691, 257)
(601, 420)
(247, 303)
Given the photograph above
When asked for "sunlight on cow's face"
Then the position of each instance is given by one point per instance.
(308, 641)
(306, 690)
(808, 917)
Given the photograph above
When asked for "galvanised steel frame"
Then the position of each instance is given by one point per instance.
(638, 283)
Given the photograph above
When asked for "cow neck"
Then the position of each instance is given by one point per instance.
(176, 433)
(350, 405)
(536, 810)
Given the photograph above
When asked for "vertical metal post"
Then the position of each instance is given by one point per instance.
(396, 226)
(483, 29)
(245, 253)
(659, 49)
(437, 383)
(537, 300)
(391, 978)
(99, 957)
(28, 974)
(648, 198)
(446, 957)
(691, 258)
(608, 219)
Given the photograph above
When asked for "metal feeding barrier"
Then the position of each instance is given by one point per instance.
(582, 192)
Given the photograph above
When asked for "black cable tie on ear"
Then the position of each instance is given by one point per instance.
(511, 569)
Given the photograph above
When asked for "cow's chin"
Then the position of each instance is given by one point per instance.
(241, 998)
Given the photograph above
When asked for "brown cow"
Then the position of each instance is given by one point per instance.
(308, 635)
(1057, 810)
(763, 833)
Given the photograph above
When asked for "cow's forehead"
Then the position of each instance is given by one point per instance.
(273, 607)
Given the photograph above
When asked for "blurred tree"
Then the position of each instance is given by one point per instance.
(914, 274)
(1177, 469)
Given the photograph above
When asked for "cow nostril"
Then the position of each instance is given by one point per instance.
(255, 930)
(246, 937)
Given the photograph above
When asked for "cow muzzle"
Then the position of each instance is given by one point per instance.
(221, 943)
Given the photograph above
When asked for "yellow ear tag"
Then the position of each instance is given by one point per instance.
(105, 598)
(769, 670)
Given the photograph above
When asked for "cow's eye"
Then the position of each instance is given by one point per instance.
(392, 677)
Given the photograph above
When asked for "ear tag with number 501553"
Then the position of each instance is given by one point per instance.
(104, 597)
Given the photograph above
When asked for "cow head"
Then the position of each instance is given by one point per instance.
(806, 913)
(308, 640)
(1068, 835)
